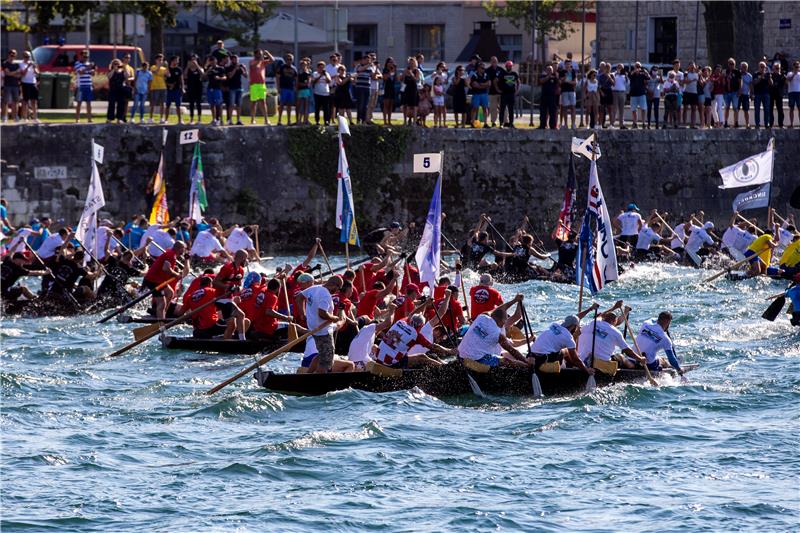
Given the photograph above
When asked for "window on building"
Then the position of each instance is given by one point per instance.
(511, 45)
(663, 40)
(364, 38)
(426, 38)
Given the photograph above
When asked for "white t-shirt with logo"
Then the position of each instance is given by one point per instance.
(396, 342)
(793, 78)
(163, 239)
(205, 244)
(651, 339)
(238, 240)
(646, 238)
(606, 340)
(552, 340)
(697, 239)
(481, 338)
(629, 222)
(318, 297)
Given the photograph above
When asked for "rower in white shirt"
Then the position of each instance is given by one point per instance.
(600, 340)
(240, 239)
(206, 246)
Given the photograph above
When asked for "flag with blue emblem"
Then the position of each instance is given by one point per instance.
(605, 260)
(429, 252)
(345, 213)
(585, 257)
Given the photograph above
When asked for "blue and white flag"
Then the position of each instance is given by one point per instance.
(586, 253)
(584, 147)
(754, 170)
(429, 252)
(753, 199)
(345, 212)
(605, 260)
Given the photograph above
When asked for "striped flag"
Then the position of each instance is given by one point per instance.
(586, 254)
(159, 214)
(345, 212)
(154, 185)
(429, 252)
(197, 194)
(567, 213)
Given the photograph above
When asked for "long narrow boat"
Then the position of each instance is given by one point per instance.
(446, 380)
(232, 346)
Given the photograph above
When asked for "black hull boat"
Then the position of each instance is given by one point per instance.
(231, 346)
(447, 380)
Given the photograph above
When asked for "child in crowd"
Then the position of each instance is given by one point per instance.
(424, 108)
(439, 111)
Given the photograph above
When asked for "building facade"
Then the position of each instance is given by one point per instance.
(659, 31)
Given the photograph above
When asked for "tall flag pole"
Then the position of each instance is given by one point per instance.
(86, 232)
(603, 268)
(429, 252)
(345, 211)
(567, 213)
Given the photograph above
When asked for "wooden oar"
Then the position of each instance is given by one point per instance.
(292, 327)
(135, 301)
(536, 385)
(591, 382)
(131, 251)
(758, 230)
(166, 326)
(722, 273)
(639, 352)
(258, 248)
(345, 267)
(269, 357)
(775, 308)
(324, 255)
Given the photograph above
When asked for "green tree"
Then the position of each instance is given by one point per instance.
(552, 16)
(246, 18)
(73, 13)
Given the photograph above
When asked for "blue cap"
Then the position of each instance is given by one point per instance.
(252, 277)
(633, 207)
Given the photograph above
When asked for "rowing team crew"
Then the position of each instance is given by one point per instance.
(692, 239)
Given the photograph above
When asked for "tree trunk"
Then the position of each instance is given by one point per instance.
(734, 29)
(156, 37)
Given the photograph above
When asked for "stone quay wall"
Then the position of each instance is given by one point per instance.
(284, 179)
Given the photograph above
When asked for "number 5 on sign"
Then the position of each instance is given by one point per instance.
(427, 162)
(189, 136)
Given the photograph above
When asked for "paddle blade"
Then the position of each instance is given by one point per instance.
(774, 309)
(476, 390)
(144, 331)
(591, 384)
(536, 386)
(292, 335)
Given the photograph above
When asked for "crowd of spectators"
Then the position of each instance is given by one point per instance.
(478, 94)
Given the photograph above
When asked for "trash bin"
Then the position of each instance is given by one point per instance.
(46, 81)
(62, 97)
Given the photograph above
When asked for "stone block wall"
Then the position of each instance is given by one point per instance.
(251, 176)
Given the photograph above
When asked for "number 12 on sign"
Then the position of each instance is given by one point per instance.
(427, 162)
(189, 136)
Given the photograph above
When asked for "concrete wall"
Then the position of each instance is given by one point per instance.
(251, 177)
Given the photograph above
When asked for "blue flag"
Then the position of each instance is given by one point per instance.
(586, 253)
(752, 199)
(429, 252)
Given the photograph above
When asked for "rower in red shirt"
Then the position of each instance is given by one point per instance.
(405, 304)
(268, 322)
(193, 286)
(484, 298)
(369, 300)
(454, 318)
(163, 269)
(206, 322)
(228, 280)
(247, 298)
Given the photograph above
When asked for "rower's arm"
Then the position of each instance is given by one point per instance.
(438, 348)
(588, 310)
(633, 355)
(506, 344)
(673, 361)
(299, 306)
(444, 306)
(312, 253)
(537, 254)
(512, 301)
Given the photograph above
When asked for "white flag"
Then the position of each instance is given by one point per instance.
(429, 252)
(87, 226)
(605, 260)
(189, 136)
(584, 147)
(754, 170)
(97, 152)
(428, 162)
(344, 128)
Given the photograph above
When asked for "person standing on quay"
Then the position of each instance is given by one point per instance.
(776, 94)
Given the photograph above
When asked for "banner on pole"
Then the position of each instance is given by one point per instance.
(97, 152)
(189, 136)
(755, 199)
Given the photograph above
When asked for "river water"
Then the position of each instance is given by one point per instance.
(132, 443)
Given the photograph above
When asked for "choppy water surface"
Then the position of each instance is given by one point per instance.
(134, 444)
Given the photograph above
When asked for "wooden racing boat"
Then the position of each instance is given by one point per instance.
(232, 346)
(447, 380)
